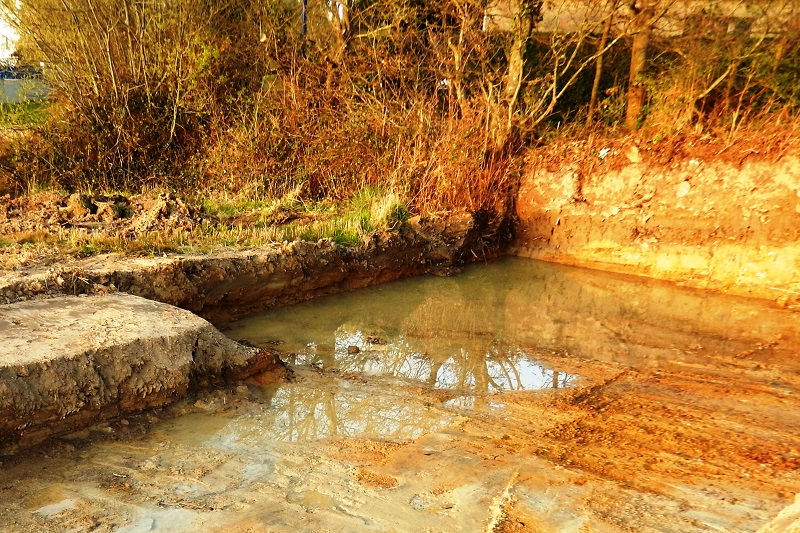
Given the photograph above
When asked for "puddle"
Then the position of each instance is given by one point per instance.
(308, 411)
(433, 331)
(501, 368)
(541, 397)
(489, 328)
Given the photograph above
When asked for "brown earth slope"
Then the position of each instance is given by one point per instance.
(687, 210)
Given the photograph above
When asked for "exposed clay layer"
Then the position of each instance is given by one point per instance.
(706, 224)
(233, 284)
(70, 362)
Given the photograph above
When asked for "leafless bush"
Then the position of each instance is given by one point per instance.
(434, 99)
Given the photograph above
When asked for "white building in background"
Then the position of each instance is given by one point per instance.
(13, 87)
(8, 36)
(762, 17)
(8, 41)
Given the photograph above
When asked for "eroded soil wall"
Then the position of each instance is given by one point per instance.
(231, 284)
(688, 214)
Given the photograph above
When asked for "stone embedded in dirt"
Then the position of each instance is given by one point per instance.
(70, 362)
(683, 189)
(632, 153)
(80, 206)
(111, 208)
(167, 212)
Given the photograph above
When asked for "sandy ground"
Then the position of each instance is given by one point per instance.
(688, 428)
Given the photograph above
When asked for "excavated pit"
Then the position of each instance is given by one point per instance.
(534, 398)
(413, 407)
(70, 362)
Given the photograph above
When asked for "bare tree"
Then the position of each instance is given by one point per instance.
(611, 7)
(339, 16)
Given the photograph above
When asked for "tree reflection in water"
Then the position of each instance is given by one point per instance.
(449, 334)
(444, 344)
(301, 413)
(500, 368)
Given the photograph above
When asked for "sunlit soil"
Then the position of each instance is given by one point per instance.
(516, 396)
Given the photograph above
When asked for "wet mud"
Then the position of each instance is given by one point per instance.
(414, 408)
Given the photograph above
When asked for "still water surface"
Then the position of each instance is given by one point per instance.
(487, 328)
(446, 333)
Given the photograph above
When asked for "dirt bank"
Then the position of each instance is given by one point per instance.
(70, 362)
(232, 284)
(685, 210)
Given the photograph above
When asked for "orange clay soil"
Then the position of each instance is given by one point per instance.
(687, 209)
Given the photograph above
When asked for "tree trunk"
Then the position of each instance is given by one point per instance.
(458, 73)
(598, 69)
(636, 88)
(526, 13)
(340, 18)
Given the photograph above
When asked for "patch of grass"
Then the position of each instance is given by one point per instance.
(378, 209)
(241, 223)
(30, 113)
(36, 187)
(345, 237)
(264, 212)
(31, 238)
(155, 243)
(261, 221)
(235, 207)
(390, 211)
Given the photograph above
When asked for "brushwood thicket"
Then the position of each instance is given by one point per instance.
(436, 101)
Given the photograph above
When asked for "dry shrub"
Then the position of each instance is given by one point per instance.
(229, 98)
(728, 69)
(139, 85)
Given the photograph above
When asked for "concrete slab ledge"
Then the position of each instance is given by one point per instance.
(70, 362)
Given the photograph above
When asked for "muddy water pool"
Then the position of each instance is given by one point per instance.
(449, 333)
(514, 396)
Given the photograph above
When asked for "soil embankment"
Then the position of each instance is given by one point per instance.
(684, 211)
(232, 284)
(70, 362)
